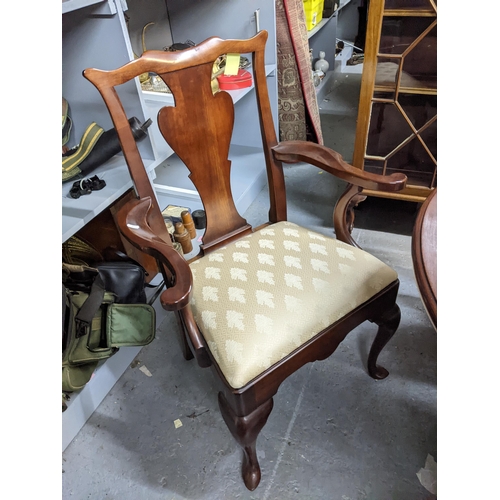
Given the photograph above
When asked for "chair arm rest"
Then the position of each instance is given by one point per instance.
(330, 161)
(132, 223)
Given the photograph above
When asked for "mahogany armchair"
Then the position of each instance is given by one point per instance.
(255, 304)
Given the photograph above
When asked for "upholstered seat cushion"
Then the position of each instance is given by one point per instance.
(259, 298)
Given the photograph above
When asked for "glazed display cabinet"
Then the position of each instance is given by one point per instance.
(397, 118)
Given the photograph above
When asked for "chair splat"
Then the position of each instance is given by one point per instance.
(201, 137)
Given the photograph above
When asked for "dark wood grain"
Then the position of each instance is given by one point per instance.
(332, 162)
(245, 431)
(424, 254)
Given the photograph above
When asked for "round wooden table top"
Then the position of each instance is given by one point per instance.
(424, 254)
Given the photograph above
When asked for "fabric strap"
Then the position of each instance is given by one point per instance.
(66, 122)
(90, 307)
(89, 139)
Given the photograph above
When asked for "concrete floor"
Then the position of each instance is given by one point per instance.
(334, 432)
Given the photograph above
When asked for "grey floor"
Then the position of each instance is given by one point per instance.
(334, 432)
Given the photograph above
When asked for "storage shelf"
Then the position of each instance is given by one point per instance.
(325, 20)
(342, 4)
(78, 212)
(71, 5)
(318, 27)
(324, 88)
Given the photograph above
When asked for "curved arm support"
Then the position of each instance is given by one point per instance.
(330, 161)
(132, 223)
(343, 214)
(197, 343)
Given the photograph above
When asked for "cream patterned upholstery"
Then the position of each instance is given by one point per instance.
(259, 298)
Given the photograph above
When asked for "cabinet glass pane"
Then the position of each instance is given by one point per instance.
(388, 129)
(413, 161)
(420, 62)
(402, 138)
(408, 45)
(375, 167)
(389, 70)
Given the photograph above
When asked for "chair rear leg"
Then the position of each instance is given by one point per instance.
(186, 350)
(387, 323)
(245, 431)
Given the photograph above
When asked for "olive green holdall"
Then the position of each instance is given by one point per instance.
(95, 327)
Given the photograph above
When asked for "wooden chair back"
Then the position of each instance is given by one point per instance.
(199, 129)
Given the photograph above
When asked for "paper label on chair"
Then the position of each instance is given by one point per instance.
(232, 64)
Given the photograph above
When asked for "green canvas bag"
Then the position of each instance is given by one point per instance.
(74, 375)
(95, 327)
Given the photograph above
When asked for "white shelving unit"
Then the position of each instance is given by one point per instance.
(106, 34)
(71, 5)
(118, 182)
(88, 26)
(323, 38)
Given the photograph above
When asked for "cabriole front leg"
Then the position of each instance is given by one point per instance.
(387, 325)
(245, 431)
